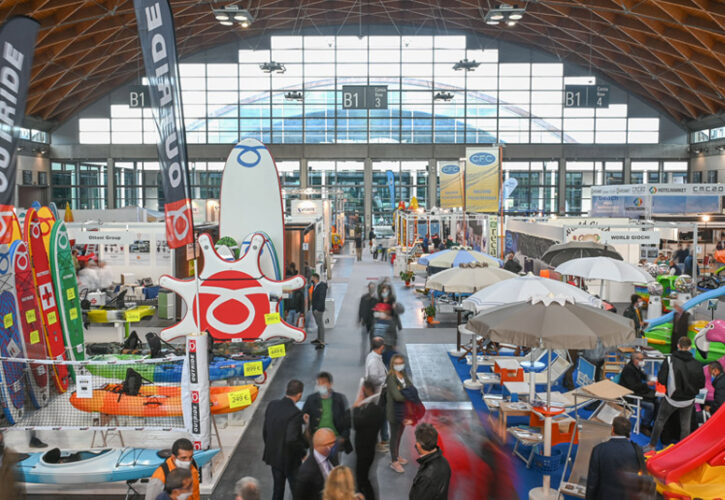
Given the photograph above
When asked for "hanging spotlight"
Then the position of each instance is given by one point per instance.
(272, 67)
(466, 65)
(504, 13)
(231, 14)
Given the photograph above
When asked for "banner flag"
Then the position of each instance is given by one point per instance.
(17, 45)
(482, 179)
(391, 187)
(196, 408)
(158, 44)
(451, 179)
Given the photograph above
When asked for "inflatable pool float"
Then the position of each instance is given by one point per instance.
(161, 401)
(219, 368)
(659, 336)
(95, 466)
(709, 341)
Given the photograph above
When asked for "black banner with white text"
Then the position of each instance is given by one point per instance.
(17, 44)
(158, 44)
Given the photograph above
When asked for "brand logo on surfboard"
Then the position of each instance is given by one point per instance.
(482, 158)
(450, 169)
(249, 156)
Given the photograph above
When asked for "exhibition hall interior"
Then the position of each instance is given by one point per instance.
(362, 249)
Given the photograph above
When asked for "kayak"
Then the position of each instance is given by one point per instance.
(219, 368)
(96, 465)
(161, 401)
(227, 349)
(131, 315)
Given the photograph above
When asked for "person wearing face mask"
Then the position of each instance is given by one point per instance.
(11, 489)
(328, 409)
(718, 384)
(313, 473)
(284, 441)
(636, 380)
(387, 319)
(434, 474)
(182, 457)
(178, 485)
(634, 312)
(395, 399)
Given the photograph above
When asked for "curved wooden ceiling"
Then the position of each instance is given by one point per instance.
(668, 51)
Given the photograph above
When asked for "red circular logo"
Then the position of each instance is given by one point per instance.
(194, 396)
(232, 305)
(192, 345)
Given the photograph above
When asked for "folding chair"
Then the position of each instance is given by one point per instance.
(590, 434)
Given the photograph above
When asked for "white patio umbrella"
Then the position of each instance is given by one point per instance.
(467, 278)
(604, 268)
(524, 288)
(552, 323)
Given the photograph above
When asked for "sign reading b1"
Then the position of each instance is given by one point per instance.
(138, 96)
(364, 97)
(586, 96)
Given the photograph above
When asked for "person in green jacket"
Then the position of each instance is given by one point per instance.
(396, 381)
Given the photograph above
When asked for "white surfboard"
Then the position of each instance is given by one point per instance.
(251, 199)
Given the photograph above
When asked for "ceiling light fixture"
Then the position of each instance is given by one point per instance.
(294, 96)
(466, 65)
(443, 96)
(231, 14)
(272, 66)
(506, 13)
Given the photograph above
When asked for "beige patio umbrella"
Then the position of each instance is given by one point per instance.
(467, 278)
(552, 323)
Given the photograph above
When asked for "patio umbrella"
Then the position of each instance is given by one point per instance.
(552, 323)
(563, 252)
(523, 288)
(467, 278)
(605, 268)
(454, 257)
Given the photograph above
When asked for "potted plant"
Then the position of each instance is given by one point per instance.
(430, 313)
(407, 277)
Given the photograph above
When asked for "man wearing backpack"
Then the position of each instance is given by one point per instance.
(182, 457)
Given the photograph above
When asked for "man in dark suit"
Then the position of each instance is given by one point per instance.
(311, 477)
(611, 462)
(284, 441)
(367, 417)
(327, 408)
(319, 292)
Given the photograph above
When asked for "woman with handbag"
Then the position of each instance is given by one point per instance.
(402, 407)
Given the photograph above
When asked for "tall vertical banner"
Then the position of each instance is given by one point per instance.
(482, 179)
(195, 404)
(17, 44)
(451, 180)
(391, 187)
(158, 44)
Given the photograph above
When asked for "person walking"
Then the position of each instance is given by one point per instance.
(612, 463)
(358, 245)
(368, 417)
(326, 408)
(182, 457)
(680, 326)
(376, 373)
(365, 315)
(247, 488)
(313, 473)
(434, 473)
(177, 486)
(683, 377)
(371, 239)
(387, 319)
(319, 293)
(340, 485)
(397, 381)
(634, 312)
(284, 440)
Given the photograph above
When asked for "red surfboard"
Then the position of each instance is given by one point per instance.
(48, 307)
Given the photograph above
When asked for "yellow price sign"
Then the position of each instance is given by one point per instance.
(253, 369)
(73, 314)
(30, 316)
(71, 293)
(34, 337)
(52, 318)
(272, 319)
(276, 351)
(239, 399)
(133, 316)
(8, 320)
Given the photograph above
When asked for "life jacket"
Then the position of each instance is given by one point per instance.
(168, 465)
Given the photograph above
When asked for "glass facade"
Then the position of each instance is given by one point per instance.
(428, 100)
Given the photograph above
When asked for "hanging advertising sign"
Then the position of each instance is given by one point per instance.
(482, 179)
(17, 44)
(631, 237)
(451, 180)
(158, 44)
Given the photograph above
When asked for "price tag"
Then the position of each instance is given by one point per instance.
(52, 318)
(34, 337)
(237, 340)
(84, 389)
(276, 351)
(133, 316)
(71, 293)
(73, 314)
(30, 316)
(272, 319)
(8, 320)
(253, 369)
(239, 399)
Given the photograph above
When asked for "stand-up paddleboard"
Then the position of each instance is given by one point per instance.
(48, 308)
(30, 321)
(46, 219)
(11, 346)
(268, 261)
(17, 232)
(251, 198)
(66, 291)
(54, 210)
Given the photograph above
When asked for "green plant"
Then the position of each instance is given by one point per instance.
(429, 311)
(407, 276)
